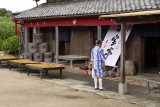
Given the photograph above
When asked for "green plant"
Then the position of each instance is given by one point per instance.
(11, 45)
(1, 42)
(5, 46)
(7, 28)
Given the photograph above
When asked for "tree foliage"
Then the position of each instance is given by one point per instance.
(1, 42)
(7, 27)
(6, 24)
(11, 45)
(8, 42)
(4, 12)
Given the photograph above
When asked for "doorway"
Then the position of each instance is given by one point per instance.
(152, 56)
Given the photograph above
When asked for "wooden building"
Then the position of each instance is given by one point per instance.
(78, 25)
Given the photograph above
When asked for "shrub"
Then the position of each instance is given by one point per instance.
(7, 27)
(11, 45)
(5, 46)
(1, 42)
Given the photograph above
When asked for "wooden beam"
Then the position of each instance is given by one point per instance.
(57, 44)
(152, 19)
(99, 32)
(122, 66)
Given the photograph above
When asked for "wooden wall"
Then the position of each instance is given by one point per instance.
(81, 41)
(47, 31)
(135, 50)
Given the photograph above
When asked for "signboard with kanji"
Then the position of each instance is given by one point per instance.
(112, 44)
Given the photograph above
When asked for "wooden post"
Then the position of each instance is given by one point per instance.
(20, 39)
(26, 39)
(122, 65)
(99, 32)
(57, 44)
(38, 29)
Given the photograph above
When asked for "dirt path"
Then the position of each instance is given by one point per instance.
(19, 90)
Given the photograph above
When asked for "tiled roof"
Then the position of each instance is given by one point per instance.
(88, 7)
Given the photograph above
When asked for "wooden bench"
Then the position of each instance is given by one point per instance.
(44, 68)
(72, 58)
(20, 63)
(152, 80)
(6, 58)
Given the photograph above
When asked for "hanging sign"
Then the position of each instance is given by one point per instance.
(112, 44)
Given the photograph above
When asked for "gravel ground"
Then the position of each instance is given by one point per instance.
(19, 90)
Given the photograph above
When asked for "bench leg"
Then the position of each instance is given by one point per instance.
(148, 87)
(86, 62)
(71, 63)
(9, 64)
(46, 72)
(60, 72)
(28, 71)
(20, 68)
(0, 64)
(41, 74)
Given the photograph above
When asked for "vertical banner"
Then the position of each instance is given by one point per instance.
(112, 43)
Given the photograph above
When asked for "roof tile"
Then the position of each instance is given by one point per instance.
(88, 7)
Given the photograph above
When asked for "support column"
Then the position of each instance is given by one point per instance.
(26, 39)
(38, 29)
(122, 84)
(57, 44)
(99, 32)
(15, 28)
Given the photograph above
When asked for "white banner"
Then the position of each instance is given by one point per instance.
(112, 44)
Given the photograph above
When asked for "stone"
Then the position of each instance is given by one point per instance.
(27, 56)
(43, 47)
(38, 57)
(38, 37)
(48, 57)
(123, 88)
(129, 68)
(105, 74)
(32, 47)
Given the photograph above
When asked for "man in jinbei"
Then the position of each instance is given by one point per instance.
(98, 61)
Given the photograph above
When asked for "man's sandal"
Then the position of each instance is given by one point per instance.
(102, 89)
(95, 88)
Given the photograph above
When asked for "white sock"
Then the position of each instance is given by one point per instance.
(95, 83)
(100, 83)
